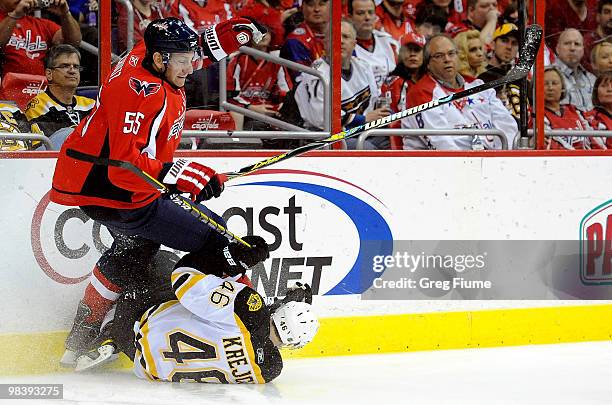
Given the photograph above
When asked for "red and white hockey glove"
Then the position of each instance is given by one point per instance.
(220, 40)
(202, 182)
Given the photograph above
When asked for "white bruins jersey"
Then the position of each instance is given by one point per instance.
(216, 332)
(359, 90)
(383, 58)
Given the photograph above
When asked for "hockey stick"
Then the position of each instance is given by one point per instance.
(526, 60)
(161, 187)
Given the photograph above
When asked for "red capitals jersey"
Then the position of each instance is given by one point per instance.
(599, 118)
(28, 45)
(569, 118)
(257, 81)
(395, 27)
(268, 16)
(201, 14)
(137, 118)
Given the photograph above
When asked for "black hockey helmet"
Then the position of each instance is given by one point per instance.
(169, 35)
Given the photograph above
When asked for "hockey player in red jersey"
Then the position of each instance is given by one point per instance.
(138, 118)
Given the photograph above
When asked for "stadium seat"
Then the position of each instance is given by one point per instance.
(209, 120)
(87, 91)
(21, 87)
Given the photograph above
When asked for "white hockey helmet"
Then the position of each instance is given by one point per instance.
(296, 324)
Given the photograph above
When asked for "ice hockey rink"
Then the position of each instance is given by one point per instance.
(576, 373)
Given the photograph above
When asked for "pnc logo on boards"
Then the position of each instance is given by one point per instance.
(596, 246)
(316, 225)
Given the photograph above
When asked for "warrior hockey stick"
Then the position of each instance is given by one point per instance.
(161, 187)
(526, 59)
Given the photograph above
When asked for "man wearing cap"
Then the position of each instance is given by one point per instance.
(406, 73)
(505, 48)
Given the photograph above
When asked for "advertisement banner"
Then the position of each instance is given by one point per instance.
(318, 214)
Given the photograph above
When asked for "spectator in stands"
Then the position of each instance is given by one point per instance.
(145, 11)
(429, 20)
(13, 120)
(481, 16)
(480, 111)
(564, 14)
(561, 116)
(406, 73)
(378, 49)
(602, 33)
(25, 39)
(471, 53)
(271, 14)
(307, 42)
(509, 14)
(448, 7)
(200, 14)
(393, 19)
(359, 92)
(578, 81)
(257, 85)
(58, 107)
(601, 57)
(505, 49)
(600, 117)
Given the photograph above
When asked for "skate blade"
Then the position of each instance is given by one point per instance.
(68, 359)
(96, 358)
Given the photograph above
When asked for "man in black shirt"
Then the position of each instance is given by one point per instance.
(58, 107)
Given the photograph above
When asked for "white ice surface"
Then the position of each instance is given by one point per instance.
(577, 374)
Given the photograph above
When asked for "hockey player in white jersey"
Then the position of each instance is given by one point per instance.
(209, 327)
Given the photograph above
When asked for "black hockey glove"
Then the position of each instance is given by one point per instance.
(221, 260)
(240, 258)
(298, 293)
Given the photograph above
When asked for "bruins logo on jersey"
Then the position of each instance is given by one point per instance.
(254, 302)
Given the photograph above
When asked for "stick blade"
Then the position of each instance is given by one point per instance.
(531, 46)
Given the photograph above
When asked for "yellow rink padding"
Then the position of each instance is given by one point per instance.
(40, 352)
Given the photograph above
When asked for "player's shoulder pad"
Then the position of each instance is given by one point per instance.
(250, 308)
(145, 87)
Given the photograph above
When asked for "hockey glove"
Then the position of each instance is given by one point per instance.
(200, 181)
(240, 258)
(298, 293)
(220, 40)
(220, 259)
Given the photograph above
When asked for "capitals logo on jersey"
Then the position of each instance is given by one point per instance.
(141, 86)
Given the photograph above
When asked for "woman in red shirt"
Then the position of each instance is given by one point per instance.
(557, 116)
(600, 117)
